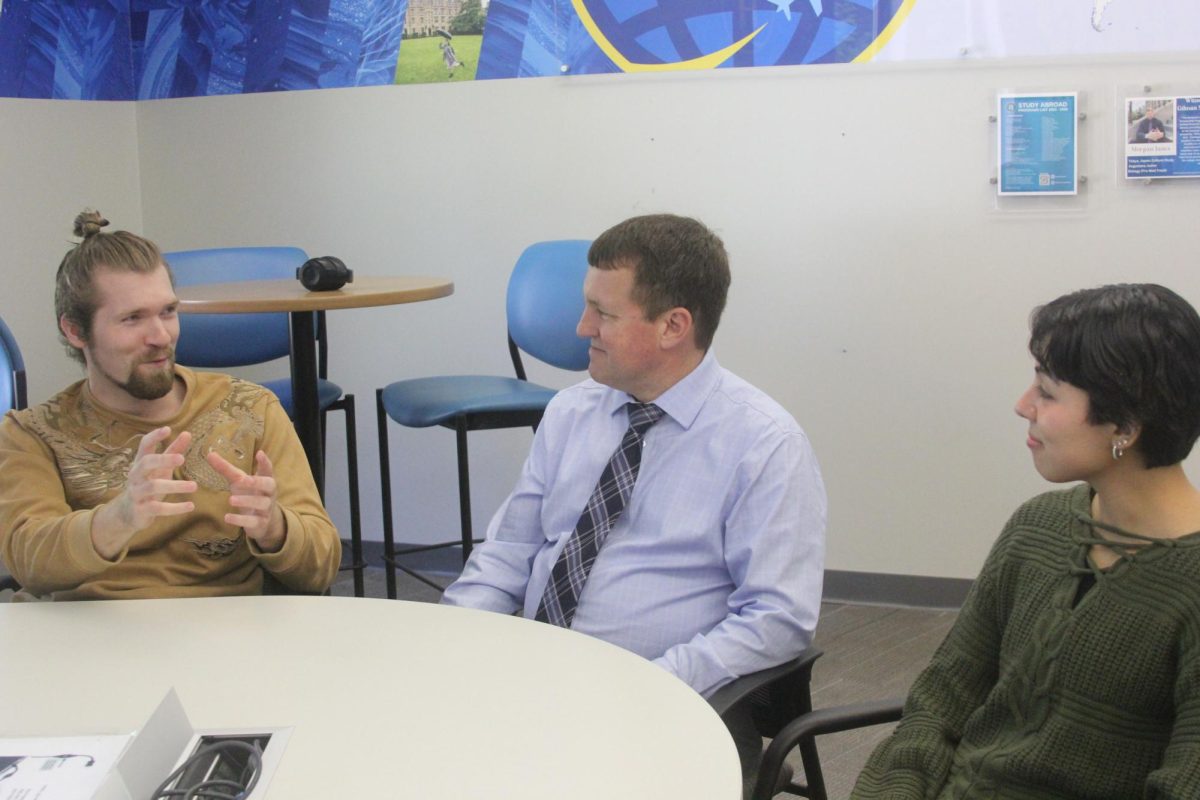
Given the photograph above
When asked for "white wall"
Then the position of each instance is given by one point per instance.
(877, 292)
(57, 158)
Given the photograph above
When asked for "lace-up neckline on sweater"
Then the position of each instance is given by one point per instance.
(1139, 547)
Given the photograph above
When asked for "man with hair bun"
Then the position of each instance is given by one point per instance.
(147, 479)
(667, 506)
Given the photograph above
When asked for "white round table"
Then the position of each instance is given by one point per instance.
(386, 698)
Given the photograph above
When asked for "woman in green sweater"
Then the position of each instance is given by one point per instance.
(1073, 670)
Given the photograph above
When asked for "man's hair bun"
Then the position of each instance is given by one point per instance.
(88, 223)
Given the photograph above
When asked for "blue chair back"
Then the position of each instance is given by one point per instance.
(545, 302)
(233, 340)
(12, 372)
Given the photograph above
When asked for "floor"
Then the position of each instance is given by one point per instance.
(871, 653)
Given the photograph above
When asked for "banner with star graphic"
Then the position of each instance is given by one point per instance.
(147, 49)
(535, 37)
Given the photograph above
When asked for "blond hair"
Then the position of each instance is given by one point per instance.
(75, 290)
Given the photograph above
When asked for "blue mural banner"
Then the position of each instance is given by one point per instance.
(147, 49)
(537, 37)
(78, 50)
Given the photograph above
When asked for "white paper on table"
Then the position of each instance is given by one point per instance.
(57, 767)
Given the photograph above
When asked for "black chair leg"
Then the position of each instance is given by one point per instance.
(813, 778)
(464, 488)
(467, 541)
(385, 480)
(356, 545)
(324, 450)
(356, 563)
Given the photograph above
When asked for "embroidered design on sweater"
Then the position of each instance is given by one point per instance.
(214, 548)
(230, 429)
(91, 459)
(94, 451)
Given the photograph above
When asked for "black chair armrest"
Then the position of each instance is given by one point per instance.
(816, 723)
(731, 694)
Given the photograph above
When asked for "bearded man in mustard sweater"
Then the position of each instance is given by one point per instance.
(147, 479)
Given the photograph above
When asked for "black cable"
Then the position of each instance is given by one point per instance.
(213, 789)
(65, 756)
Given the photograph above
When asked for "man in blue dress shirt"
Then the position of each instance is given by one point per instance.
(714, 568)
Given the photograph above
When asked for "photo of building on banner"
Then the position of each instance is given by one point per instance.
(1037, 146)
(1162, 137)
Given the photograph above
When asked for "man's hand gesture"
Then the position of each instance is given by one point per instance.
(149, 482)
(253, 499)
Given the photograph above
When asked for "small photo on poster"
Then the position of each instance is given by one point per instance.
(1151, 126)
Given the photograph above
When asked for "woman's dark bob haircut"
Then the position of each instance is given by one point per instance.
(1135, 350)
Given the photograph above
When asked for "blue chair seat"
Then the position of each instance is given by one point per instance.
(328, 393)
(423, 402)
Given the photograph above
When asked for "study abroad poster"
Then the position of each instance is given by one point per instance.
(1037, 145)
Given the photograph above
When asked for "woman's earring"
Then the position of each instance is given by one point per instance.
(1119, 449)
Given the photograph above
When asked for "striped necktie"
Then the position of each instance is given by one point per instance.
(604, 508)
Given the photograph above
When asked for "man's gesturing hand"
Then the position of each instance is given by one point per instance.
(146, 486)
(253, 500)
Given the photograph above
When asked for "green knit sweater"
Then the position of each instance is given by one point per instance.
(1040, 693)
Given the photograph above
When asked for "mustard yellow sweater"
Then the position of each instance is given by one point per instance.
(63, 459)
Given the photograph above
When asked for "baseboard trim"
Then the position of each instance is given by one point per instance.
(879, 588)
(841, 586)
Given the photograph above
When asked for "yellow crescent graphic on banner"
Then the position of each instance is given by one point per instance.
(886, 34)
(625, 65)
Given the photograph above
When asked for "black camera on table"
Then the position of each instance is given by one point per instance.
(324, 274)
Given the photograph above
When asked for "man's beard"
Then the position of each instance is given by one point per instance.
(154, 385)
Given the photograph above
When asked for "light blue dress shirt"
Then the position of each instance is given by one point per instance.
(715, 568)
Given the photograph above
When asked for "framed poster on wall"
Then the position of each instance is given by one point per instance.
(1038, 144)
(1162, 137)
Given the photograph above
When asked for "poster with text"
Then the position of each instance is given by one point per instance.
(1162, 137)
(1038, 144)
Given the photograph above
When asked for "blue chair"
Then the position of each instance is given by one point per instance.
(236, 340)
(13, 392)
(545, 301)
(13, 396)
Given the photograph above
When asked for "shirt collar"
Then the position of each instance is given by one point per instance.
(683, 401)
